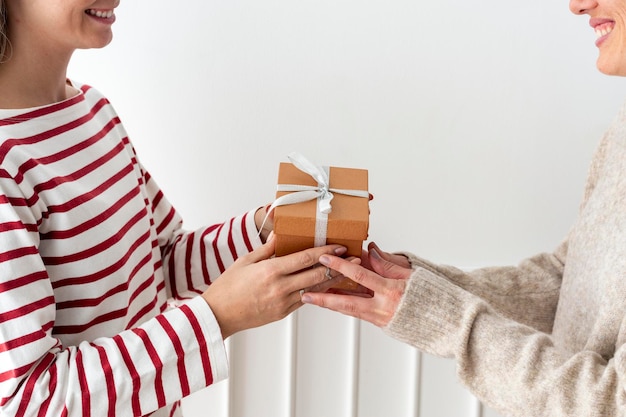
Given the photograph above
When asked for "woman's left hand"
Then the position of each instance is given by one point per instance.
(388, 288)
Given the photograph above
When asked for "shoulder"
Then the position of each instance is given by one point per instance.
(610, 154)
(89, 91)
(617, 130)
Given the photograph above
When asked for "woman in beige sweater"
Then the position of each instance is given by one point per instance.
(545, 338)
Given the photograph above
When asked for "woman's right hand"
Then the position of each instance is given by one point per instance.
(384, 274)
(389, 258)
(259, 289)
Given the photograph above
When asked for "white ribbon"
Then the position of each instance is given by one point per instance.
(322, 192)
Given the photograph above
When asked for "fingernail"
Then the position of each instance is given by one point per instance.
(325, 260)
(340, 251)
(375, 254)
(306, 298)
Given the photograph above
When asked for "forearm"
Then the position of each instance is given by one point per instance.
(195, 259)
(527, 293)
(510, 366)
(130, 374)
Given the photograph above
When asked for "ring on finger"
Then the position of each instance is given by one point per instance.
(327, 273)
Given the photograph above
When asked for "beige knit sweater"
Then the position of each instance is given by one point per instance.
(547, 337)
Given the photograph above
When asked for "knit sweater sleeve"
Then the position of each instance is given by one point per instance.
(511, 367)
(527, 293)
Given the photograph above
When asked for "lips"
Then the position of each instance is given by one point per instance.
(603, 30)
(103, 14)
(602, 27)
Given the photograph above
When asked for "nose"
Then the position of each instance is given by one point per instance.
(582, 6)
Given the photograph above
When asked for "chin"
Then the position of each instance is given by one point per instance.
(99, 43)
(611, 69)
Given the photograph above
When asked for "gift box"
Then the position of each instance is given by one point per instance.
(320, 205)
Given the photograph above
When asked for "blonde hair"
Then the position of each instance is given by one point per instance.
(4, 39)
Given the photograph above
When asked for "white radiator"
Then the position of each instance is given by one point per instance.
(317, 363)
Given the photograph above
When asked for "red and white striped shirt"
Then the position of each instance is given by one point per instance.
(90, 253)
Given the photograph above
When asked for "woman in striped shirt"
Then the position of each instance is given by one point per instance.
(92, 253)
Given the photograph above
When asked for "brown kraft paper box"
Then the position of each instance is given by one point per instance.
(348, 222)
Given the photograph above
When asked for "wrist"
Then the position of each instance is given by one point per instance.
(263, 223)
(220, 314)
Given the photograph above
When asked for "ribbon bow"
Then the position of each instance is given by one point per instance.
(322, 192)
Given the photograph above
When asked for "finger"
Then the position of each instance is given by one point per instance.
(264, 251)
(365, 259)
(311, 279)
(326, 284)
(391, 257)
(360, 291)
(354, 306)
(296, 304)
(355, 272)
(316, 278)
(385, 255)
(387, 268)
(344, 285)
(305, 259)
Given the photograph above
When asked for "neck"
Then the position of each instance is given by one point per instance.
(28, 83)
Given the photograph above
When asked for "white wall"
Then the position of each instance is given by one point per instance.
(476, 122)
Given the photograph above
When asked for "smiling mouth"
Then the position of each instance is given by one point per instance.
(103, 14)
(603, 29)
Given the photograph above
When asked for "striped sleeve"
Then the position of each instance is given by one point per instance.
(130, 374)
(194, 259)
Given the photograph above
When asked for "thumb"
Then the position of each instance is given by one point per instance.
(386, 268)
(265, 251)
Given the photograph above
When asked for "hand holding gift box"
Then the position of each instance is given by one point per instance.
(316, 206)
